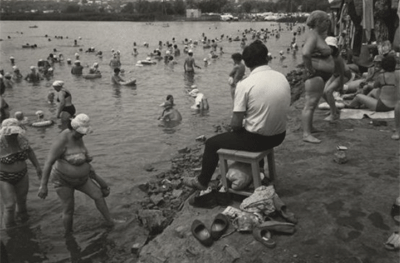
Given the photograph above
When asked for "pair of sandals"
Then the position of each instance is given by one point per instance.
(207, 236)
(393, 243)
(262, 233)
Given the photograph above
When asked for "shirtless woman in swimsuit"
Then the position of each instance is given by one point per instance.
(68, 164)
(320, 66)
(14, 181)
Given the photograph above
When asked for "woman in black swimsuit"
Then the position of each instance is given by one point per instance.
(65, 109)
(383, 97)
(14, 181)
(320, 67)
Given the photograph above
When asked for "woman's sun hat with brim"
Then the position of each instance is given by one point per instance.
(331, 41)
(58, 83)
(11, 126)
(81, 124)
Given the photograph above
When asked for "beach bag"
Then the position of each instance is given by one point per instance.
(239, 174)
(261, 201)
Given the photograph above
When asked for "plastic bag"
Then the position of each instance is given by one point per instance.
(240, 175)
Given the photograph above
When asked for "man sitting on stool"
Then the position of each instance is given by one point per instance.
(262, 101)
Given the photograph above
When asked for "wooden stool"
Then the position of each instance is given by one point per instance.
(252, 158)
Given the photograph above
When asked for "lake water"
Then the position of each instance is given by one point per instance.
(126, 135)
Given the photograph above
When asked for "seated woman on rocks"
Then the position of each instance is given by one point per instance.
(68, 164)
(383, 97)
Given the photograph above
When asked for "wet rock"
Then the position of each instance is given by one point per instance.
(139, 242)
(175, 203)
(201, 138)
(180, 231)
(177, 193)
(173, 183)
(340, 157)
(160, 175)
(153, 220)
(184, 150)
(144, 187)
(148, 167)
(157, 198)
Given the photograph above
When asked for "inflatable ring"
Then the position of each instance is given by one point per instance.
(42, 123)
(130, 82)
(91, 76)
(144, 62)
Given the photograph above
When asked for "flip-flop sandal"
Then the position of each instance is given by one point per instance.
(393, 243)
(219, 226)
(264, 237)
(282, 210)
(276, 226)
(201, 233)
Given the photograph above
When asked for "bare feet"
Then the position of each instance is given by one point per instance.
(332, 118)
(311, 139)
(396, 136)
(314, 130)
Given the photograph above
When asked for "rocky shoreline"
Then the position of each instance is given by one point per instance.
(164, 194)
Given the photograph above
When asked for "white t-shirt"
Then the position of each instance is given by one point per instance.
(264, 96)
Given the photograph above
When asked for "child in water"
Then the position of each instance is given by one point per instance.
(169, 113)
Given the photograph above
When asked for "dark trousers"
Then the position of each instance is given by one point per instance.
(239, 140)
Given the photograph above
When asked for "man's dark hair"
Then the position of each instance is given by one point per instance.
(255, 54)
(237, 57)
(389, 63)
(116, 70)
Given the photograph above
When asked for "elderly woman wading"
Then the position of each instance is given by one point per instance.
(68, 163)
(320, 67)
(65, 109)
(14, 181)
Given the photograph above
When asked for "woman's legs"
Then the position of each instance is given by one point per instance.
(9, 199)
(331, 85)
(65, 119)
(353, 86)
(361, 99)
(67, 199)
(396, 134)
(21, 189)
(314, 89)
(94, 192)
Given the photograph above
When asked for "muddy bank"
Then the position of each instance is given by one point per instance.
(343, 209)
